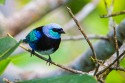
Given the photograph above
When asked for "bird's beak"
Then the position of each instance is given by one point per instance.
(61, 32)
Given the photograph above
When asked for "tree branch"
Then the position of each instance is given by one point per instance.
(113, 14)
(45, 59)
(116, 44)
(103, 48)
(58, 65)
(83, 33)
(118, 68)
(108, 67)
(81, 15)
(80, 37)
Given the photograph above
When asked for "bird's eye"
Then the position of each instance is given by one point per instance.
(55, 30)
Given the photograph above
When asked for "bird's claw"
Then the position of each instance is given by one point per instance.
(49, 61)
(32, 53)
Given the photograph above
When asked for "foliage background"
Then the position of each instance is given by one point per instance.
(69, 50)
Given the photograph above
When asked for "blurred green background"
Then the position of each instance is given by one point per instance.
(69, 50)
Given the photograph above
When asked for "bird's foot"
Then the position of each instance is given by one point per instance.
(32, 53)
(49, 61)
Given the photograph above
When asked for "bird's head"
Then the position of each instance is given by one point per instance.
(53, 31)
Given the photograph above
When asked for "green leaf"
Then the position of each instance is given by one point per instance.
(2, 2)
(3, 65)
(9, 51)
(76, 78)
(8, 45)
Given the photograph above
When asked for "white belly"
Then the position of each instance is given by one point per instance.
(47, 52)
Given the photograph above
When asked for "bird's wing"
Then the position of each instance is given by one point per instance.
(33, 36)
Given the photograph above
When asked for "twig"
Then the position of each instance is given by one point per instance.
(94, 58)
(110, 69)
(111, 64)
(80, 28)
(67, 38)
(116, 44)
(101, 81)
(43, 58)
(106, 6)
(111, 7)
(82, 14)
(118, 68)
(97, 68)
(112, 23)
(114, 14)
(109, 11)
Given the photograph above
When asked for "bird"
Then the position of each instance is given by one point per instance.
(45, 39)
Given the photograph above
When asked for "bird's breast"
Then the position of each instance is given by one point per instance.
(46, 52)
(46, 44)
